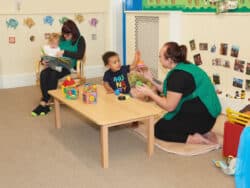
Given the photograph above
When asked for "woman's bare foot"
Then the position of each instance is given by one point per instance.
(211, 136)
(197, 139)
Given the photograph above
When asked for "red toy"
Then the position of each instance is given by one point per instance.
(69, 88)
(232, 131)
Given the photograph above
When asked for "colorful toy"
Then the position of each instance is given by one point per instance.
(117, 92)
(237, 95)
(140, 63)
(89, 94)
(69, 88)
(135, 79)
(242, 94)
(228, 166)
(122, 97)
(139, 83)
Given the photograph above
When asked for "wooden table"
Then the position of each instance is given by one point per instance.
(109, 112)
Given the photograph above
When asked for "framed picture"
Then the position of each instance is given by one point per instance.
(237, 82)
(197, 59)
(239, 65)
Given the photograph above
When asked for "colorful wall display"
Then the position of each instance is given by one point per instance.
(12, 23)
(48, 20)
(189, 5)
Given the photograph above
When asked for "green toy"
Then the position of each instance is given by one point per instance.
(136, 79)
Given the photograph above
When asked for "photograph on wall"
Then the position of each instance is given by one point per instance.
(203, 46)
(217, 62)
(247, 87)
(213, 48)
(235, 51)
(248, 69)
(226, 63)
(192, 45)
(216, 79)
(239, 65)
(237, 82)
(223, 48)
(197, 59)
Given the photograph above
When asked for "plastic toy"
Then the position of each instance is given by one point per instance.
(122, 97)
(140, 65)
(117, 92)
(237, 95)
(139, 83)
(242, 94)
(242, 175)
(89, 94)
(227, 167)
(69, 88)
(135, 78)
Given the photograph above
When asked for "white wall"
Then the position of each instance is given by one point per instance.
(209, 28)
(17, 60)
(54, 6)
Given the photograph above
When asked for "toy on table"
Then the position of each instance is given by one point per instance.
(89, 93)
(123, 97)
(69, 88)
(117, 92)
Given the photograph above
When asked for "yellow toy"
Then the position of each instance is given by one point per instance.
(69, 88)
(89, 94)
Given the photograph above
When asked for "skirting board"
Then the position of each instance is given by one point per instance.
(29, 79)
(17, 80)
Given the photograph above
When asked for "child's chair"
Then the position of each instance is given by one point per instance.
(77, 75)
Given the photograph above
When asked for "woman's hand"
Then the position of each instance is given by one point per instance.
(60, 53)
(147, 74)
(44, 63)
(145, 90)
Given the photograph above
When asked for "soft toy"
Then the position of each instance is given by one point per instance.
(137, 79)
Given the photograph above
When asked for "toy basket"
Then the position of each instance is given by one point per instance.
(237, 117)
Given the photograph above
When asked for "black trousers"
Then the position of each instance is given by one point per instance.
(49, 80)
(178, 129)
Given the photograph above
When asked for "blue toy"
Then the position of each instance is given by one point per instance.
(242, 175)
(117, 92)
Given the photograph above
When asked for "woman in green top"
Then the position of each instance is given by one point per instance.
(72, 45)
(189, 98)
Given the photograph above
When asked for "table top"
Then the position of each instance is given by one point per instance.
(109, 111)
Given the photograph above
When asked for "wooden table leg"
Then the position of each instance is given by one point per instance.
(151, 136)
(57, 113)
(104, 147)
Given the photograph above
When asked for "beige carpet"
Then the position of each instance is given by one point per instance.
(33, 154)
(179, 148)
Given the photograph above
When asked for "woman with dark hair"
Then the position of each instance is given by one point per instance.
(72, 45)
(188, 97)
